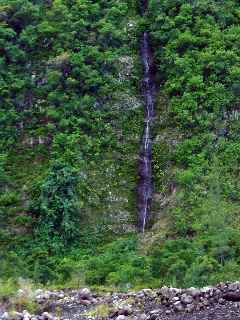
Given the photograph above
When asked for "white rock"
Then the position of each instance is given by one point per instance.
(26, 315)
(121, 317)
(5, 316)
(175, 299)
(47, 316)
(156, 311)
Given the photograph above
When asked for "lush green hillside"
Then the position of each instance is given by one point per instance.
(70, 123)
(198, 66)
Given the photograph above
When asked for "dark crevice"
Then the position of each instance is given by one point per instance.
(145, 184)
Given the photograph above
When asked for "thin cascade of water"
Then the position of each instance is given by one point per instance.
(145, 184)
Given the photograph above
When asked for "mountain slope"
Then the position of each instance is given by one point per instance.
(71, 121)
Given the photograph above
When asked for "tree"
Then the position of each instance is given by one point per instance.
(59, 212)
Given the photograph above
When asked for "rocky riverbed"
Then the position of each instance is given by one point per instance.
(219, 302)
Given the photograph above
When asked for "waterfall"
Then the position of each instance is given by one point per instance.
(145, 183)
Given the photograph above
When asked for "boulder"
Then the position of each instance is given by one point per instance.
(186, 299)
(177, 306)
(85, 302)
(190, 307)
(125, 310)
(168, 293)
(194, 292)
(85, 294)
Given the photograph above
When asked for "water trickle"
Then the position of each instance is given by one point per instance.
(145, 184)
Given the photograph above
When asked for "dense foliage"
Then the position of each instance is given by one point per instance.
(64, 80)
(70, 122)
(197, 55)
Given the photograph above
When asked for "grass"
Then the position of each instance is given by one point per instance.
(7, 288)
(19, 295)
(101, 310)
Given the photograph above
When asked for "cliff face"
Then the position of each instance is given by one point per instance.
(72, 117)
(70, 96)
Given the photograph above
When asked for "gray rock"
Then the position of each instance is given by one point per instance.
(190, 307)
(94, 300)
(186, 299)
(177, 306)
(149, 293)
(218, 292)
(234, 286)
(47, 316)
(194, 292)
(85, 294)
(155, 311)
(124, 311)
(42, 296)
(168, 293)
(206, 290)
(205, 303)
(85, 302)
(221, 301)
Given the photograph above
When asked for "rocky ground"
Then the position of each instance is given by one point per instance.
(216, 303)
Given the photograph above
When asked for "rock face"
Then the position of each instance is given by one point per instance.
(216, 303)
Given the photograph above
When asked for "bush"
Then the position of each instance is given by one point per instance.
(118, 265)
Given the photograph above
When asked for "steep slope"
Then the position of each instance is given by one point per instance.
(196, 158)
(71, 121)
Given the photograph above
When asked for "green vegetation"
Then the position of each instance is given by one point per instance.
(70, 122)
(67, 73)
(197, 57)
